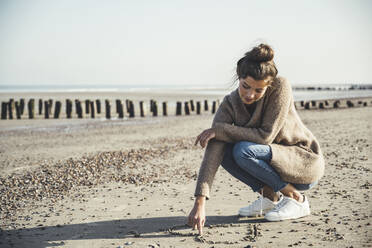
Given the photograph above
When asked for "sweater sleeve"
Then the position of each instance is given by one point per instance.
(275, 113)
(213, 154)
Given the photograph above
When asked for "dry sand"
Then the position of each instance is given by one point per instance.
(112, 183)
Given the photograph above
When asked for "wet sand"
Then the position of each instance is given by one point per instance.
(115, 183)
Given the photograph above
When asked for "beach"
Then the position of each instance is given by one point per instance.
(130, 183)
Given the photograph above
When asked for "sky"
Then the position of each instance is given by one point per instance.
(181, 42)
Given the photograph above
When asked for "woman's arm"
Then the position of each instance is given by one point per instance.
(274, 117)
(212, 159)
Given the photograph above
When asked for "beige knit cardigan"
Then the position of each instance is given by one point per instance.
(296, 153)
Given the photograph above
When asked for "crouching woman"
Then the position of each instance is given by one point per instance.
(258, 137)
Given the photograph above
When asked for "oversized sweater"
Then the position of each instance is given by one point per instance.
(296, 154)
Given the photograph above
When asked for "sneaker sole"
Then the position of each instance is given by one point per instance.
(253, 214)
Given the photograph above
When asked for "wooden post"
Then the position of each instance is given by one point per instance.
(11, 108)
(192, 105)
(307, 105)
(119, 108)
(108, 109)
(142, 109)
(50, 101)
(336, 104)
(154, 108)
(187, 109)
(68, 108)
(18, 110)
(98, 105)
(87, 106)
(131, 109)
(22, 105)
(31, 108)
(179, 108)
(92, 112)
(165, 112)
(198, 107)
(151, 105)
(350, 104)
(40, 106)
(4, 110)
(79, 110)
(214, 107)
(57, 109)
(206, 107)
(46, 109)
(127, 106)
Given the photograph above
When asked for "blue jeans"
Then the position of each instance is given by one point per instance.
(250, 163)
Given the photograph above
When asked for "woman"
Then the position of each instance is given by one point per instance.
(258, 137)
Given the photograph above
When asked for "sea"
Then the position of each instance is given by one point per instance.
(299, 93)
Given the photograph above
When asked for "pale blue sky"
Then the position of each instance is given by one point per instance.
(189, 42)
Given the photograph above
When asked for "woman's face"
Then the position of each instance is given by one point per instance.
(251, 90)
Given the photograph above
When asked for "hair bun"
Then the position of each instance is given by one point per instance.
(260, 53)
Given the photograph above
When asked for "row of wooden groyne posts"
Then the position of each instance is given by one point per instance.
(333, 103)
(52, 109)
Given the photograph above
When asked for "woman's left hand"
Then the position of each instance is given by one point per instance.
(205, 136)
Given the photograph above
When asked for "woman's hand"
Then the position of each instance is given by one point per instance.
(197, 215)
(205, 136)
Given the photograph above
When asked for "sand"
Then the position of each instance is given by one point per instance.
(139, 188)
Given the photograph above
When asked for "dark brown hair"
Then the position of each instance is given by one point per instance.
(257, 63)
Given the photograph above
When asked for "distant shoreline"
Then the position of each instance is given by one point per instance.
(159, 88)
(332, 88)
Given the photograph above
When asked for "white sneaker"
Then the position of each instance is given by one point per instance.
(257, 207)
(288, 208)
